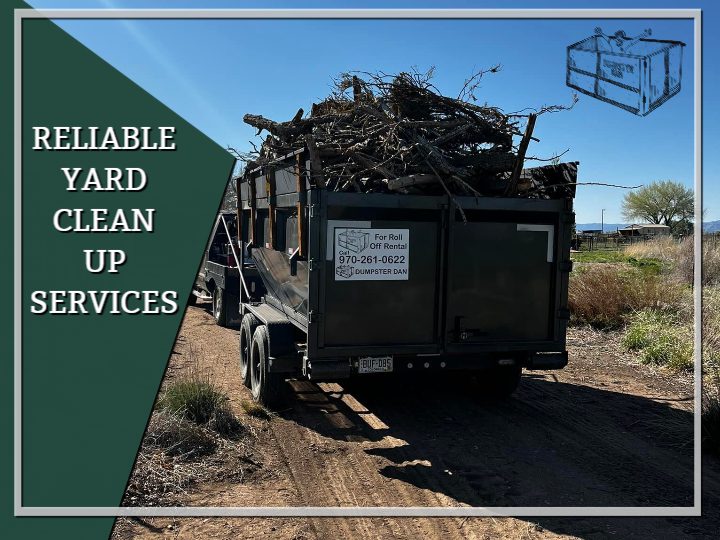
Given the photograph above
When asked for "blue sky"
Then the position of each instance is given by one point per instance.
(213, 72)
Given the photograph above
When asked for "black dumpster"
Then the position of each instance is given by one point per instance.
(361, 283)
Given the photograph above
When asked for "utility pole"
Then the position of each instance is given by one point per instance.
(602, 221)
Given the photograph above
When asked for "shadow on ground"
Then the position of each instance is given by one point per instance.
(551, 444)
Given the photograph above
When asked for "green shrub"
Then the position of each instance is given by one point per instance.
(661, 339)
(196, 399)
(638, 335)
(670, 350)
(651, 267)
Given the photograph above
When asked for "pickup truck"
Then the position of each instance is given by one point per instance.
(218, 278)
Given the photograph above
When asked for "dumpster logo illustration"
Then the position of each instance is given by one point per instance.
(372, 254)
(354, 240)
(636, 74)
(345, 271)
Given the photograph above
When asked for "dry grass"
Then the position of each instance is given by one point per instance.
(192, 437)
(711, 260)
(711, 327)
(680, 256)
(252, 408)
(711, 369)
(604, 295)
(164, 463)
(664, 248)
(177, 454)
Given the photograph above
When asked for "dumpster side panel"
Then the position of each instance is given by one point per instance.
(376, 295)
(500, 287)
(507, 276)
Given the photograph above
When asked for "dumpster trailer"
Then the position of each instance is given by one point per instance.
(356, 284)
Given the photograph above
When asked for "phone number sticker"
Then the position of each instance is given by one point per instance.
(372, 254)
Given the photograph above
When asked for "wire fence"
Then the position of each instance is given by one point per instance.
(614, 242)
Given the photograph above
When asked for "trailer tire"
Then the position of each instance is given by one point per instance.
(247, 330)
(500, 382)
(219, 306)
(266, 387)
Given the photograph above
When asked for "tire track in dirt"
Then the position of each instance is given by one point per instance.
(357, 470)
(344, 476)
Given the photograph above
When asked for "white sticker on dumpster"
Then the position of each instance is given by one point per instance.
(371, 254)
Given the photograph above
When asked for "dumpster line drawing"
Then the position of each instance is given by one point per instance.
(355, 240)
(635, 74)
(345, 271)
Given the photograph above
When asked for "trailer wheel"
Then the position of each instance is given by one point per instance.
(500, 382)
(219, 306)
(247, 329)
(266, 387)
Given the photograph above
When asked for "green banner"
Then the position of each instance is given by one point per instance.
(118, 197)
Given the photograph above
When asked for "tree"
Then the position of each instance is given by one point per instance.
(230, 196)
(664, 202)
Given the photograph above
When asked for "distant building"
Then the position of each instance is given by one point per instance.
(645, 229)
(593, 232)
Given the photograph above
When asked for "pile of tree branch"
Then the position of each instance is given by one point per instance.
(379, 133)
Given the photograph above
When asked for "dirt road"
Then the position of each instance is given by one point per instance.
(602, 432)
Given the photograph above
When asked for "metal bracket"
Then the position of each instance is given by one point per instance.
(293, 262)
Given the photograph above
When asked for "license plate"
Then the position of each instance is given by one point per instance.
(375, 364)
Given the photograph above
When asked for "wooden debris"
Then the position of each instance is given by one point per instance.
(515, 176)
(396, 133)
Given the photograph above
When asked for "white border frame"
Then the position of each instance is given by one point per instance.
(324, 511)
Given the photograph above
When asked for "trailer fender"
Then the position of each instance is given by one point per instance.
(283, 357)
(282, 354)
